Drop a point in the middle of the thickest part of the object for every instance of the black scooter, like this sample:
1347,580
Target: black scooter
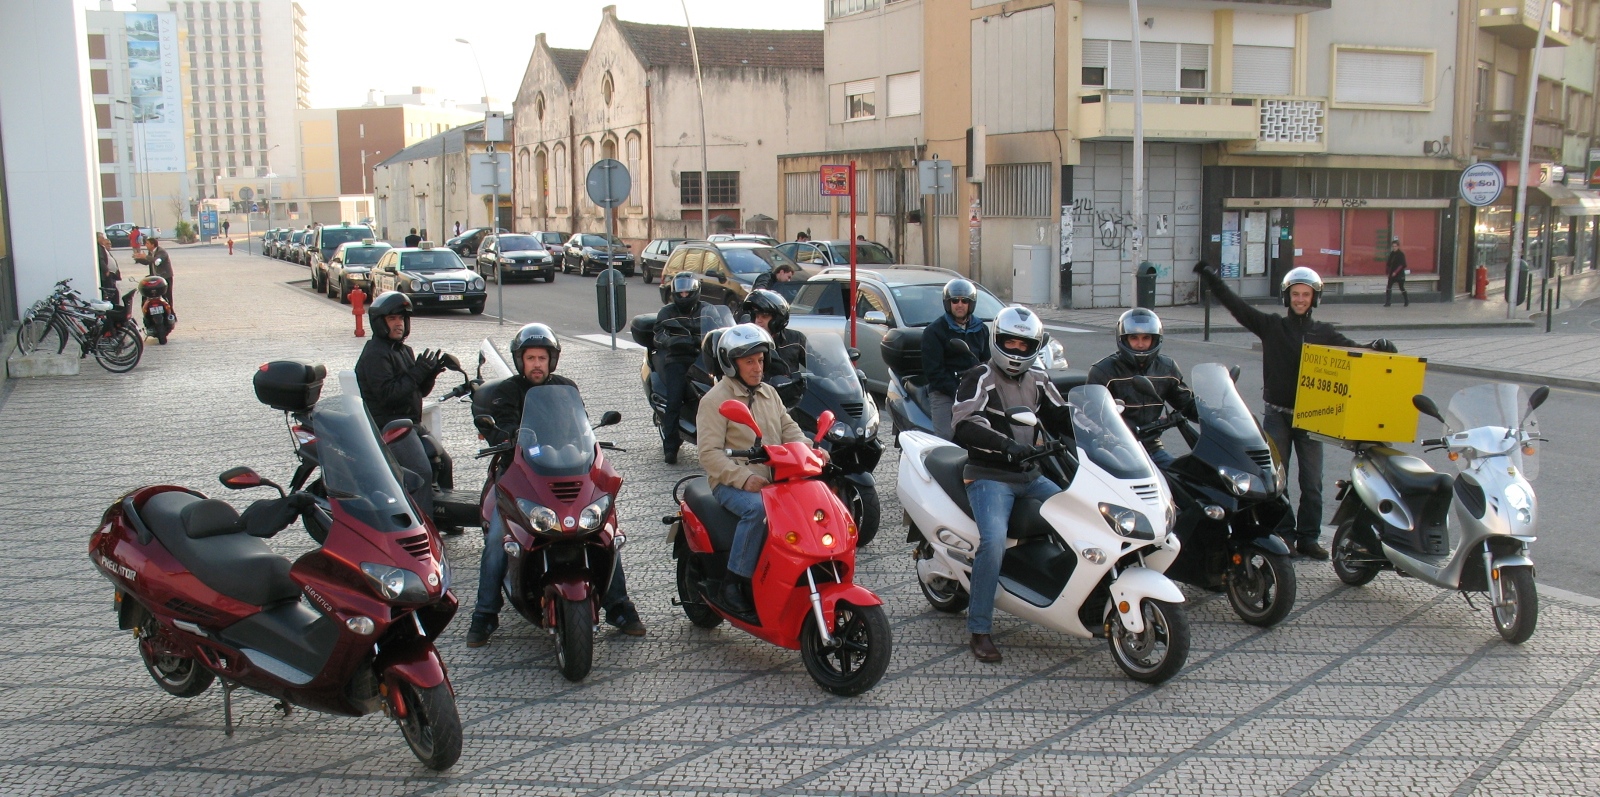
1229,491
702,373
833,384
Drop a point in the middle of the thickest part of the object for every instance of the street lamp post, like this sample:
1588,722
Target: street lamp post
705,166
1136,240
1519,221
142,178
494,164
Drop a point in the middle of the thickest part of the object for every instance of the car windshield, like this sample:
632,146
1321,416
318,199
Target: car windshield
363,255
333,236
359,473
519,243
430,260
555,438
867,253
552,238
297,237
1227,429
1103,437
754,260
599,240
920,305
1498,406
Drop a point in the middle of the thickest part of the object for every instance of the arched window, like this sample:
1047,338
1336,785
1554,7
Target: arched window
636,195
608,148
541,190
586,159
561,177
538,106
607,87
523,181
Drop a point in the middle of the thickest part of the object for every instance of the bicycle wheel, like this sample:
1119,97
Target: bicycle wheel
41,332
119,351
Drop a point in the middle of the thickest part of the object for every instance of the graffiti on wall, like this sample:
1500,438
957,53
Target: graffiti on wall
1110,227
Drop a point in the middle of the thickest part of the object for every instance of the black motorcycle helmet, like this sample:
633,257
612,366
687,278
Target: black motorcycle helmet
534,336
771,303
387,304
1139,321
685,282
961,289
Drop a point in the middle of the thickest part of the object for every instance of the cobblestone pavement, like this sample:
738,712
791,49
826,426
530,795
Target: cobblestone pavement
1395,688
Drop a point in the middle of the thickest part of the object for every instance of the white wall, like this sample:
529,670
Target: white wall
873,45
47,129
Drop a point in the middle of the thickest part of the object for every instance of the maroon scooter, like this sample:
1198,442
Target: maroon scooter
557,494
348,628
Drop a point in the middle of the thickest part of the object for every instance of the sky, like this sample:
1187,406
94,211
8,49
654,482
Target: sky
353,46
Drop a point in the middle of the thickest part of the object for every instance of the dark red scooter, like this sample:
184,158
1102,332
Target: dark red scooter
158,316
348,628
804,591
557,494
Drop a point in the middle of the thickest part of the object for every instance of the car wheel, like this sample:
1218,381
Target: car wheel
476,309
344,292
551,277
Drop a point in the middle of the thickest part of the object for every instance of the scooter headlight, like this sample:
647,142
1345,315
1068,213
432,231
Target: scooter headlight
1237,480
1521,503
594,514
541,518
1126,522
395,583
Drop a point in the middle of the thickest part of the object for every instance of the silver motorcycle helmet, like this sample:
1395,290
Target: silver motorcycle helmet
1016,324
1302,275
740,341
1138,321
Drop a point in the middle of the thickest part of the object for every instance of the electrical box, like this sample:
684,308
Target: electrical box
1358,394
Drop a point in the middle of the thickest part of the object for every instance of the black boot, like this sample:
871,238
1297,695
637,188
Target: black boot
734,589
483,626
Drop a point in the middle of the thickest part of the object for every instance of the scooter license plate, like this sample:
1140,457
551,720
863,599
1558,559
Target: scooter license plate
450,297
158,311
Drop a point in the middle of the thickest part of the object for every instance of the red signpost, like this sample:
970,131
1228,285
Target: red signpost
841,181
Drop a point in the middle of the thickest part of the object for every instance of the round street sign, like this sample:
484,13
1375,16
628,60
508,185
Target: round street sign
247,193
608,183
1481,184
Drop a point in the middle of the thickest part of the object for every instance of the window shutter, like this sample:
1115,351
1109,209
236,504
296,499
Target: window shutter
1095,52
905,94
1160,61
859,87
1381,78
1196,56
1263,70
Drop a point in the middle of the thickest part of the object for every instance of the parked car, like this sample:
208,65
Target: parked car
743,236
515,255
269,242
466,244
321,245
432,276
727,270
554,241
351,267
653,259
896,297
118,233
295,252
821,254
591,252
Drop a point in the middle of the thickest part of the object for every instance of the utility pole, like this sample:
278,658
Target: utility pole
1519,220
1135,241
705,174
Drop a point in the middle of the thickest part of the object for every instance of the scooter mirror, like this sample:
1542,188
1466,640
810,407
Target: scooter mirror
610,418
1539,395
958,347
240,478
396,429
735,410
1233,373
854,353
1145,386
824,425
1426,406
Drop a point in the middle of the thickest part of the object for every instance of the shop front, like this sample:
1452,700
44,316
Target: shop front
1560,236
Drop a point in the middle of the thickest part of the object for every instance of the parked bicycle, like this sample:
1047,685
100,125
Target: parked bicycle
98,327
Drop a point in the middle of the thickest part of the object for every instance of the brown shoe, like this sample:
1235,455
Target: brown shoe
983,648
1312,549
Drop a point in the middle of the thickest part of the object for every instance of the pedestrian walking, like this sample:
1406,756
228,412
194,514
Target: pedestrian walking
1397,273
225,226
413,239
458,229
133,241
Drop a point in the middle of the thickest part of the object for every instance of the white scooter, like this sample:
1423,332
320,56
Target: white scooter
1087,561
1469,533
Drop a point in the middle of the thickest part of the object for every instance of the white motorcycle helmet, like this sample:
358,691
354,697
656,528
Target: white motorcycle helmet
1302,275
1016,323
740,341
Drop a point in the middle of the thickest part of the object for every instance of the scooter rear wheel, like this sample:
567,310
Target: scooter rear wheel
860,656
574,638
1158,652
1262,587
1516,620
1347,555
432,726
694,606
944,594
180,676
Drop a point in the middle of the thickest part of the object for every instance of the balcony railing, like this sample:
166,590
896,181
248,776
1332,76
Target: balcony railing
1500,132
1249,122
1516,22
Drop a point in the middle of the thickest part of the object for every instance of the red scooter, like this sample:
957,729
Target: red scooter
803,587
158,316
348,628
557,494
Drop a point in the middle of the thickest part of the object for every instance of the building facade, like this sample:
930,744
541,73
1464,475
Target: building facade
633,96
427,186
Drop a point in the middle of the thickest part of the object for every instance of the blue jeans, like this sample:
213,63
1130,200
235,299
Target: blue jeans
492,574
991,508
1305,523
1162,457
751,533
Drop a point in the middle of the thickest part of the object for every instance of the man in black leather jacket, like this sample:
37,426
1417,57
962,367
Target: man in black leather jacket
675,347
1139,354
943,368
535,352
1281,338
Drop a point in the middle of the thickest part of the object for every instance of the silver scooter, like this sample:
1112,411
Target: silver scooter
1468,533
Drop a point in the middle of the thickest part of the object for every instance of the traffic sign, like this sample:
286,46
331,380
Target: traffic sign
1481,184
608,183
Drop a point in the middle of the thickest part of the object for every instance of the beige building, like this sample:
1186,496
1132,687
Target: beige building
427,186
632,96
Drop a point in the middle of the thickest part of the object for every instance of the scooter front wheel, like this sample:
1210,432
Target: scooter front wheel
1516,619
860,653
1160,650
862,501
432,726
574,638
1261,587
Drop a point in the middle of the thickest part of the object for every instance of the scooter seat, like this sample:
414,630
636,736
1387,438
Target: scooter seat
948,464
719,522
237,565
1409,475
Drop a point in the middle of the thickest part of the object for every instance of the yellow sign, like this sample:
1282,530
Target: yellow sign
1358,394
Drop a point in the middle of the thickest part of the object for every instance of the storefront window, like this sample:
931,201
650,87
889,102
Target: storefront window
1492,234
1586,244
1318,235
1535,243
1560,242
1366,242
1418,231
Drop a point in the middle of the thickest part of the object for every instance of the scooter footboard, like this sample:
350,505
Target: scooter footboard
1137,585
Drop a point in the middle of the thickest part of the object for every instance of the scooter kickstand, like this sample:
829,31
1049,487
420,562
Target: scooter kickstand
227,706
1468,598
283,705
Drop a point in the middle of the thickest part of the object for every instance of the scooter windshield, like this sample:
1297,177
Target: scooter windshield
712,318
1103,436
828,362
358,472
1497,408
1228,432
555,438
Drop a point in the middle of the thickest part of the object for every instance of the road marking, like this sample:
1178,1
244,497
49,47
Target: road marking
1066,329
605,340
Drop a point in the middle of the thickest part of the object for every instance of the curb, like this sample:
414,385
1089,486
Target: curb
1215,328
1571,383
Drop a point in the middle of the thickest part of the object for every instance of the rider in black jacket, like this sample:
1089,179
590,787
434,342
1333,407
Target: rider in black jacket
1281,338
942,367
675,347
535,351
1139,354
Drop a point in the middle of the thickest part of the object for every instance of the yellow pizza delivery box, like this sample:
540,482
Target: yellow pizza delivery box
1358,394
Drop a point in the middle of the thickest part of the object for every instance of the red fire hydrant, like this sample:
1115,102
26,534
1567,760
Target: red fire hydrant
230,246
358,298
1480,283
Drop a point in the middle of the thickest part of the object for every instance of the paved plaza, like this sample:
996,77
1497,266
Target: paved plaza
1394,688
